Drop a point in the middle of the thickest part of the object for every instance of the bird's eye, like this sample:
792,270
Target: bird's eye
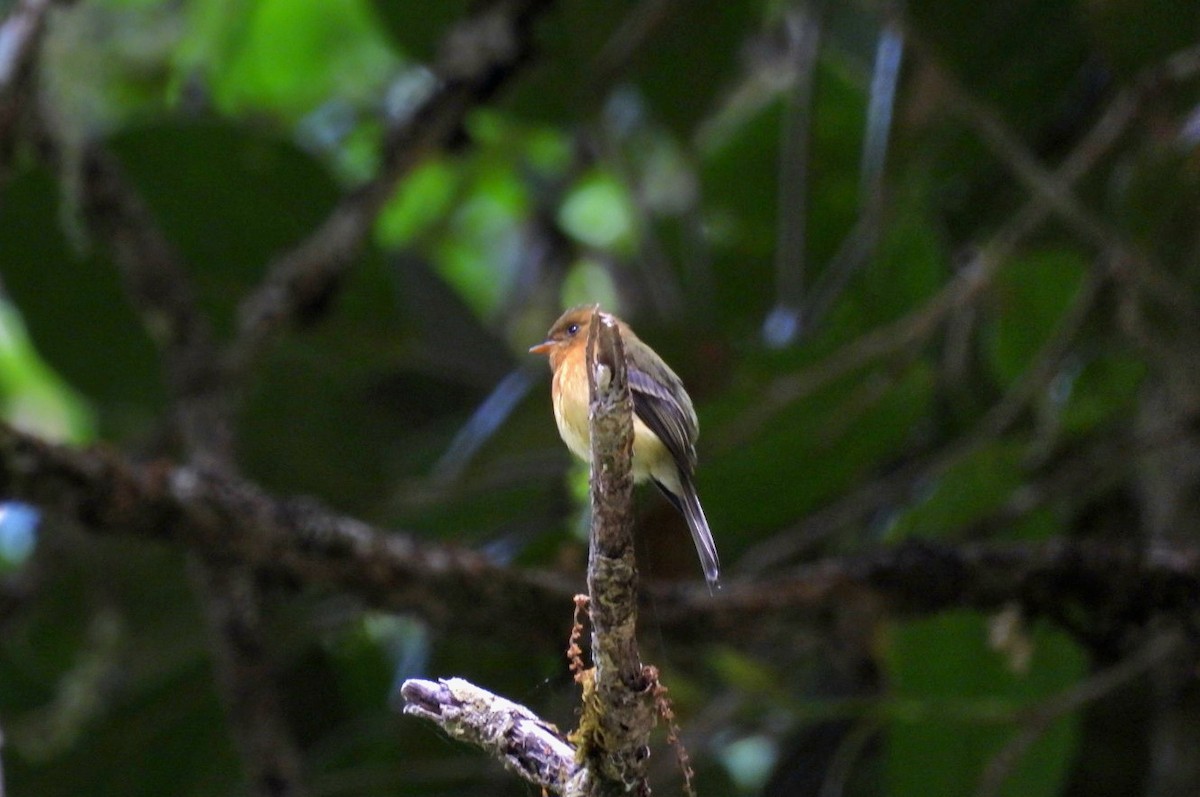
572,329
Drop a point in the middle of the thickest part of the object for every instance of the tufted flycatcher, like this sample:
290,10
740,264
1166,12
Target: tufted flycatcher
664,423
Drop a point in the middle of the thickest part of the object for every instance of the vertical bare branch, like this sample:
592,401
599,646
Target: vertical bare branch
245,674
624,709
158,285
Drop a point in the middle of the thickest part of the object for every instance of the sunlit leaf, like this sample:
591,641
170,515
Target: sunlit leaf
598,212
290,56
588,282
32,396
422,200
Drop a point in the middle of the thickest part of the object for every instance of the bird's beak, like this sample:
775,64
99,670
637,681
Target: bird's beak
542,348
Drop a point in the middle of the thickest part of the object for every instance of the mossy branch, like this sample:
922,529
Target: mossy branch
619,712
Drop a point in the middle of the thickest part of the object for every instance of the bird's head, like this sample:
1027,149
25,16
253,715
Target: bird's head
568,333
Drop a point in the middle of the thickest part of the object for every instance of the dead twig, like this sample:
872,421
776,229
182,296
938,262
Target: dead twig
508,731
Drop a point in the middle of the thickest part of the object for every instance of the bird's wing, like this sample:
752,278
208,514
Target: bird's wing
663,415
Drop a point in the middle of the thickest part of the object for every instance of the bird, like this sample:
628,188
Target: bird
665,426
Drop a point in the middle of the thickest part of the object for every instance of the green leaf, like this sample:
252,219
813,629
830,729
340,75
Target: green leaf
589,282
815,447
32,396
599,212
958,703
969,490
1031,292
422,200
909,265
1106,386
230,221
76,312
419,27
478,258
291,56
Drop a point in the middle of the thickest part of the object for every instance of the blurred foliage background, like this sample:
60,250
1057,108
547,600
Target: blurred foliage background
929,272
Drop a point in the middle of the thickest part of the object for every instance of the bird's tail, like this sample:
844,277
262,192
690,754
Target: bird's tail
693,513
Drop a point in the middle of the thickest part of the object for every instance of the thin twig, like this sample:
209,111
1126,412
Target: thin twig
874,345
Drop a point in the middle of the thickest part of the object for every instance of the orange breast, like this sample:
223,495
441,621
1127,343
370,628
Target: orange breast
650,456
571,406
